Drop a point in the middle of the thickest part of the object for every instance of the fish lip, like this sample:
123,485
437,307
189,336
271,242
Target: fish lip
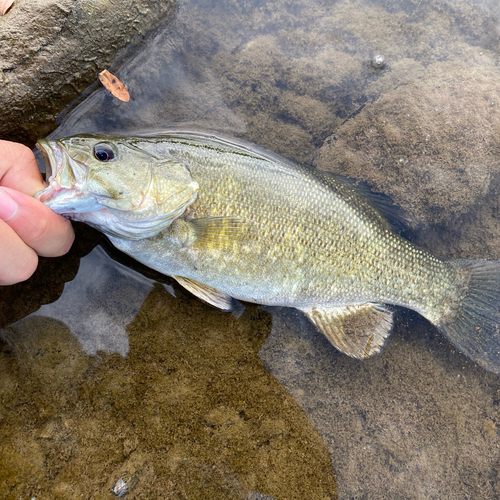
53,158
50,158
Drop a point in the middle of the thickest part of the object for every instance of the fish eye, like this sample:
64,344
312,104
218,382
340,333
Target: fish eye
104,152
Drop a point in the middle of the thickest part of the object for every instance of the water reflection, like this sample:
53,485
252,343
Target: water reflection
99,303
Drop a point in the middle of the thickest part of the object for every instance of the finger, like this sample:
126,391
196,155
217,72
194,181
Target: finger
43,230
17,260
18,168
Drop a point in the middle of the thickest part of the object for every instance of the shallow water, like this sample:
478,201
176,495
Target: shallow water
127,376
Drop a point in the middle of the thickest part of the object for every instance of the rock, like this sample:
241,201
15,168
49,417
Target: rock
51,50
431,144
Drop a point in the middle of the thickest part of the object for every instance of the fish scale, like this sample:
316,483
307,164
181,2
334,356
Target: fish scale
319,242
228,220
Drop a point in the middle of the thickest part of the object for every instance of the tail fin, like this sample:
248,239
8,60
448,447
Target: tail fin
475,328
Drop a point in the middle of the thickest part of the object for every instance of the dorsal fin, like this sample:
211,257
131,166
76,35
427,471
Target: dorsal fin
357,330
378,207
391,212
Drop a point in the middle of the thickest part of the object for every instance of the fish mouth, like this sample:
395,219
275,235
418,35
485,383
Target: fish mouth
54,163
65,176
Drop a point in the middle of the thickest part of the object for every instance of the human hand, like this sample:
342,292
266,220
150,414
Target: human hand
27,227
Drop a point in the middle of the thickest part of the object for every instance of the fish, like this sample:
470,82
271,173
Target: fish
231,221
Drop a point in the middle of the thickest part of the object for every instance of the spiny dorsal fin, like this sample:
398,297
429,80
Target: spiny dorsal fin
206,293
377,207
216,233
391,212
356,330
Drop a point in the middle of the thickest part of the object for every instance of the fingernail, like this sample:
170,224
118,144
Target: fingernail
8,207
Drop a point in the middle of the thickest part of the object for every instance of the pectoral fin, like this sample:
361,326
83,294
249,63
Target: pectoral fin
206,293
357,330
217,233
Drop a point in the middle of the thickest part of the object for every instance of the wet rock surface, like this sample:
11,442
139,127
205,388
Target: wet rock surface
419,421
51,50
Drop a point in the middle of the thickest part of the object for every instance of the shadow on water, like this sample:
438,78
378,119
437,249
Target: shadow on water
47,284
120,379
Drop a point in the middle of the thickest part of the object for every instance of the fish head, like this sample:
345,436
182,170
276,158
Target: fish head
115,184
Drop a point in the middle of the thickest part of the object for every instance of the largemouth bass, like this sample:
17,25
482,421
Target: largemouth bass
229,221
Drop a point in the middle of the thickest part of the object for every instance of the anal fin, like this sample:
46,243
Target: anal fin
356,330
206,293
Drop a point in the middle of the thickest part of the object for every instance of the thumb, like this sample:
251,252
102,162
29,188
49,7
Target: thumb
47,233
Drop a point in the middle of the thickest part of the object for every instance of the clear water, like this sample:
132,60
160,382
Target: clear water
128,377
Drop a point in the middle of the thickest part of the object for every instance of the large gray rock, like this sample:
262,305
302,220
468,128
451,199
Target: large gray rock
51,50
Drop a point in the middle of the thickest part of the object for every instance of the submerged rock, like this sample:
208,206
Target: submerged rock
191,409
